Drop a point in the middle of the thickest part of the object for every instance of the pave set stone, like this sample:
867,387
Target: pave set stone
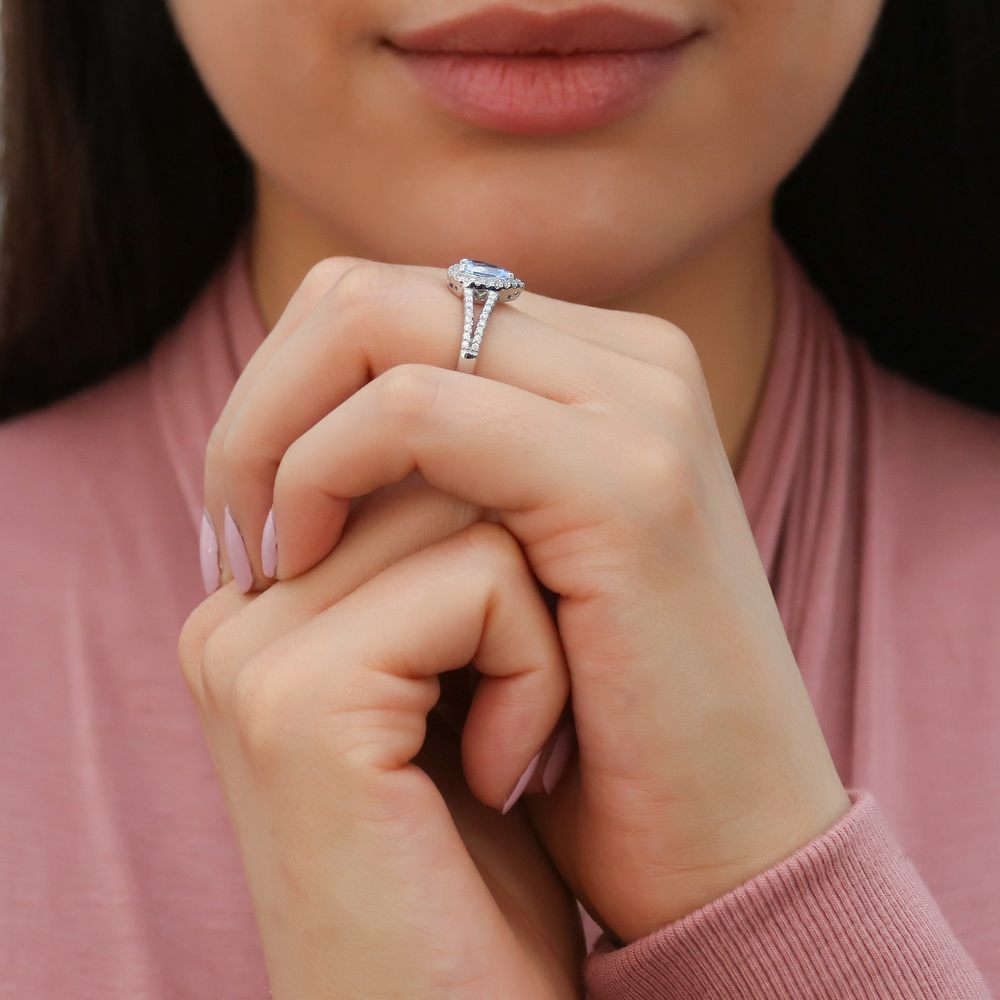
479,281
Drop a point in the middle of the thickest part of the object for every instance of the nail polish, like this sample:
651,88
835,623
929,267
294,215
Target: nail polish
269,547
236,551
522,783
211,568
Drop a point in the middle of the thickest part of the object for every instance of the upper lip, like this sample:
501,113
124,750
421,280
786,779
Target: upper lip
509,30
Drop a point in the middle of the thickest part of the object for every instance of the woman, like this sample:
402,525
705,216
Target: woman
754,749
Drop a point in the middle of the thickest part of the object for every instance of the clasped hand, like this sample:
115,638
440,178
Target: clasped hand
416,511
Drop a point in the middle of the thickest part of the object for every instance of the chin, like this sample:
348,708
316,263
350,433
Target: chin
556,252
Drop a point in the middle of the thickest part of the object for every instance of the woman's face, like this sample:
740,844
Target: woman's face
336,123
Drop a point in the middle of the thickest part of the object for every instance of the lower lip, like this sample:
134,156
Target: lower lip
542,94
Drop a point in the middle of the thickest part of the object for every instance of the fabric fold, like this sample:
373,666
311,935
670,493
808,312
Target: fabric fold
874,505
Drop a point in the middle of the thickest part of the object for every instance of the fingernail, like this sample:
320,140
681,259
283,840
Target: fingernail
522,783
269,547
236,551
211,570
559,755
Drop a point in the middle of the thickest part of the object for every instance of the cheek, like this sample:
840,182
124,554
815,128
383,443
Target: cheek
271,66
788,63
767,81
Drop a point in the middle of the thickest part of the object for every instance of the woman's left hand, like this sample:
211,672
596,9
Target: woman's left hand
589,434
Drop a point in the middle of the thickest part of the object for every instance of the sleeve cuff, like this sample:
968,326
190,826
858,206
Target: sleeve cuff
847,916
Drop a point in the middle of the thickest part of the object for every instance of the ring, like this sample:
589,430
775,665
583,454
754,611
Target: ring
477,281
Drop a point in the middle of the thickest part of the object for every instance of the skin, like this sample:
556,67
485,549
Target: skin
640,348
669,209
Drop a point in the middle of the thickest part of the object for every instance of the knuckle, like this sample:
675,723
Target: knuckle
686,359
661,473
360,285
258,706
194,636
669,346
406,392
489,544
360,305
242,455
325,274
216,665
653,326
294,463
299,483
673,396
205,644
294,481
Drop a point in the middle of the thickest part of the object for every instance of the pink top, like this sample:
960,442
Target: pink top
875,505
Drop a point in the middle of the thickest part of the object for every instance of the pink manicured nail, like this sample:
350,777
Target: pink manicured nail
269,547
562,750
522,783
236,551
211,569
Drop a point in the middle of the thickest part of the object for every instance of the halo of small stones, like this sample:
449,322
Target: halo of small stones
458,273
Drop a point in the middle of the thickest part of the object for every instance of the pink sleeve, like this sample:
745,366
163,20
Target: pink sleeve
845,916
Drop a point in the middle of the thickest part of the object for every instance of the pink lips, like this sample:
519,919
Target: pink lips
532,74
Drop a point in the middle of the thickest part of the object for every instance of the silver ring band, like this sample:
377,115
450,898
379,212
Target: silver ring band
478,281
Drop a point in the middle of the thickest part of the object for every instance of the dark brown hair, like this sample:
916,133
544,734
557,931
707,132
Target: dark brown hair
123,189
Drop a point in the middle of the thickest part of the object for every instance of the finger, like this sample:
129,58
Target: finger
484,442
316,283
375,437
375,317
366,669
378,316
388,525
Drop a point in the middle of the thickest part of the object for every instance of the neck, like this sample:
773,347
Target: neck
722,295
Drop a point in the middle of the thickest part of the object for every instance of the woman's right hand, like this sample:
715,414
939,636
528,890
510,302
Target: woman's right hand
373,869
